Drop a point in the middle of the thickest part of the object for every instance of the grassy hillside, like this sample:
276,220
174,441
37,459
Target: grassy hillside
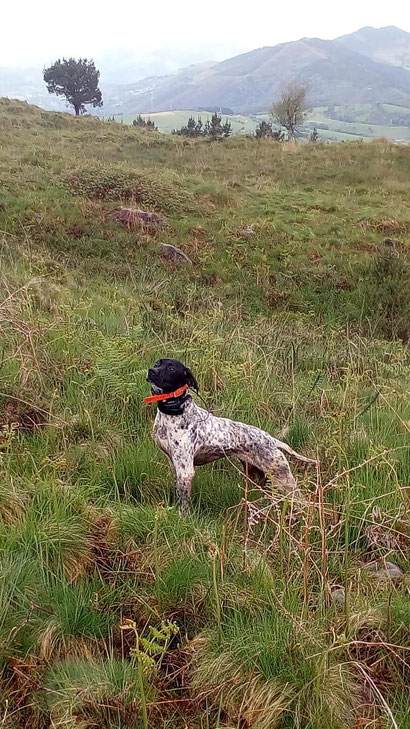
253,611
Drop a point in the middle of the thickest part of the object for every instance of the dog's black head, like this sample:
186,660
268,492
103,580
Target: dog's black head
169,375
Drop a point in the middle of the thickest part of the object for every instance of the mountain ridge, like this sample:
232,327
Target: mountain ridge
368,66
250,82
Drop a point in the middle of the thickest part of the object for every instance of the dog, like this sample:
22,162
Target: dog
191,436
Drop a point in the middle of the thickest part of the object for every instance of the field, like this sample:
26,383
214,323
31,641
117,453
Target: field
361,124
255,610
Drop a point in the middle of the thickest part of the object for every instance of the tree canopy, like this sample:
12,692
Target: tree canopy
290,110
264,130
76,80
213,128
145,123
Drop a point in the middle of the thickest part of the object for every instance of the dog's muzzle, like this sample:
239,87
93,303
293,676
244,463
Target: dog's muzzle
152,373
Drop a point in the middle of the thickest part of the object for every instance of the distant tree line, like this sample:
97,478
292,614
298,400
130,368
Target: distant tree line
213,128
218,109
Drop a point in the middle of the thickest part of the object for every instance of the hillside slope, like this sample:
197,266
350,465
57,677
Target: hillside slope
251,81
253,610
386,45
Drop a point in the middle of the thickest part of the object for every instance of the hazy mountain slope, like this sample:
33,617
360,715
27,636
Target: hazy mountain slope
387,45
27,84
248,83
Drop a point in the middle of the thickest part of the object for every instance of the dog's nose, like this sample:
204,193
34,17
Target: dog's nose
152,372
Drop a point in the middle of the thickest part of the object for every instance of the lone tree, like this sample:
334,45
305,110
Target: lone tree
76,80
290,111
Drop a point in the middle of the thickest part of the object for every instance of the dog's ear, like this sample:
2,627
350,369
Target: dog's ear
191,381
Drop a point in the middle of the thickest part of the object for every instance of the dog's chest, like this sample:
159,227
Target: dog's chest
160,434
170,433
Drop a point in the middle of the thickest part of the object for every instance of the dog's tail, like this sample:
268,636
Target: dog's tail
285,447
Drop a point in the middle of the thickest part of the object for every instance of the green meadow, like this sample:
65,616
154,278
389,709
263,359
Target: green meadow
255,610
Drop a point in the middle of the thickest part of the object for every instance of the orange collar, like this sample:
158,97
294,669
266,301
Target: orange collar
165,395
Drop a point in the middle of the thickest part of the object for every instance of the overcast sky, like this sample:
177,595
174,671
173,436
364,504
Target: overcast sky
35,33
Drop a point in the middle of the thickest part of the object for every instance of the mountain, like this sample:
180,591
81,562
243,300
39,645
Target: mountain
248,83
386,45
369,67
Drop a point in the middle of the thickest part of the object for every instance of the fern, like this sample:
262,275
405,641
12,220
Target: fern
116,369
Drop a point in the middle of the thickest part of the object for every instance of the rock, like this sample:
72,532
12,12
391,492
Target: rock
338,596
136,218
384,570
171,253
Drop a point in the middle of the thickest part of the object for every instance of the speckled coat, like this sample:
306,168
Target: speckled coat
196,437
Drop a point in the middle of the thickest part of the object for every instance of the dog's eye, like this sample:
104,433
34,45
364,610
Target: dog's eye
172,369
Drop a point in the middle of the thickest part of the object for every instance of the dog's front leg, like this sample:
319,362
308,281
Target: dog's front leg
183,464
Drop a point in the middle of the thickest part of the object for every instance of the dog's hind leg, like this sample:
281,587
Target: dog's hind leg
276,467
256,475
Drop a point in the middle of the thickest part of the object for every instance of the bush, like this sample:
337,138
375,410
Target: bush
265,130
146,123
115,182
88,693
385,291
214,128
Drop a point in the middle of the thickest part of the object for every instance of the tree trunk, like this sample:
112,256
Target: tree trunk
77,109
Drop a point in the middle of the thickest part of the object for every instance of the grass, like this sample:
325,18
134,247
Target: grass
300,327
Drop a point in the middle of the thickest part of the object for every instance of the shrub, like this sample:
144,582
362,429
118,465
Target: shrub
146,123
265,130
115,182
91,693
385,291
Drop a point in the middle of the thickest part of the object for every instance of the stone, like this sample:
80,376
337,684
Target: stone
171,253
136,218
384,570
338,596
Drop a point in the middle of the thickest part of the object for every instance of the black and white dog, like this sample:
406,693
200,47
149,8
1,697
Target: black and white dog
191,436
